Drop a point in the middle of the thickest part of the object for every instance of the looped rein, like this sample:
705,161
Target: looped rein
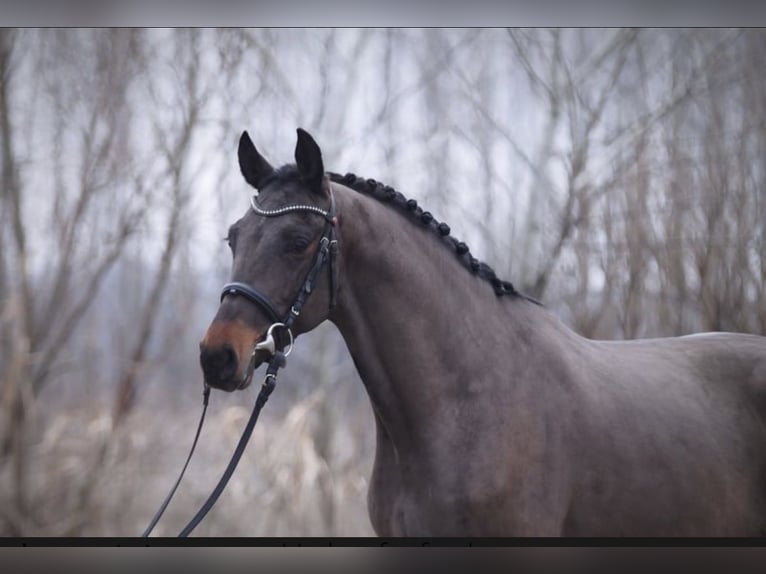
327,252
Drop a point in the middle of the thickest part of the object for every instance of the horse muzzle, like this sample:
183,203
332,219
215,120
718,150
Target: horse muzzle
225,346
226,354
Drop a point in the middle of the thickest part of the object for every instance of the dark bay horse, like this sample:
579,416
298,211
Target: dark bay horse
493,418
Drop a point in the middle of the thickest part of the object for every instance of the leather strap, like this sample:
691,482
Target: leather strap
277,361
161,511
252,294
328,249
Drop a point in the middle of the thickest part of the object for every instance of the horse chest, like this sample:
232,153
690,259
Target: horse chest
407,498
401,509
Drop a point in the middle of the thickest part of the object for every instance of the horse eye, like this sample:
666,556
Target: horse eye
297,244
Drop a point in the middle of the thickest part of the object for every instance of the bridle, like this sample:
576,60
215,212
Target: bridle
276,347
326,253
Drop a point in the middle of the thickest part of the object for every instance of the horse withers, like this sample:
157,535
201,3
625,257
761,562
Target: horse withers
492,417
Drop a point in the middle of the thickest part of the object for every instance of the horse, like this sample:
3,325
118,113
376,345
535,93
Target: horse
492,417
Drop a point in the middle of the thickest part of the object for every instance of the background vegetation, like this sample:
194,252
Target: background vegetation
619,175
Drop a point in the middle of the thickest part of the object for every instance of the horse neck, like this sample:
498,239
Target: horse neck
413,318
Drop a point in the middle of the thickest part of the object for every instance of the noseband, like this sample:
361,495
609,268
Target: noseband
327,252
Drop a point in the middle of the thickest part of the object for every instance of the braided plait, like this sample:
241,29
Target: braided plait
410,208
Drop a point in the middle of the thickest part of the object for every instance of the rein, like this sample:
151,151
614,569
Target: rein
326,253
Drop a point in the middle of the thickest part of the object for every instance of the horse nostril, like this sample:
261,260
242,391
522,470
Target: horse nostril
218,364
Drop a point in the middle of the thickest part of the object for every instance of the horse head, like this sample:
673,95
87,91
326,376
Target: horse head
279,247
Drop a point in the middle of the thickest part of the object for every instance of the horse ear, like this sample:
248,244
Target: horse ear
252,164
308,158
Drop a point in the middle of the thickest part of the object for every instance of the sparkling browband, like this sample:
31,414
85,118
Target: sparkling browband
288,209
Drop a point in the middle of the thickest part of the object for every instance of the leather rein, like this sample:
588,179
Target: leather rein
277,347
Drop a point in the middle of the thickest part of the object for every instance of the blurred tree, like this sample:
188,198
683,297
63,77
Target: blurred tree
76,233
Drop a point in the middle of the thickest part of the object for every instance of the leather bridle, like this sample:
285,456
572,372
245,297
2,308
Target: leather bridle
326,253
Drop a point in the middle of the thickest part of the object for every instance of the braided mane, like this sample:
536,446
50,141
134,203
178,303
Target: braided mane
412,210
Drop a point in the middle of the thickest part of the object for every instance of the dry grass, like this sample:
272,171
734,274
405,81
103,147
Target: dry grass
87,480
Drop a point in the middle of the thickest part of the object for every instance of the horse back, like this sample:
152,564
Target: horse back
675,437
